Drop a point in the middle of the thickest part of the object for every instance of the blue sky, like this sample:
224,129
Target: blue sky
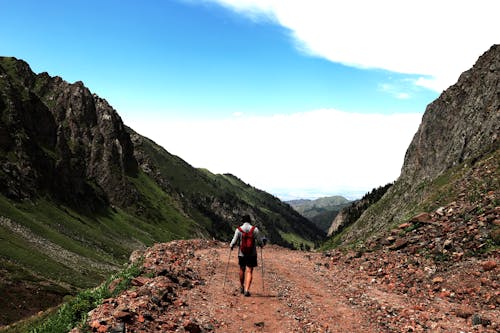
250,86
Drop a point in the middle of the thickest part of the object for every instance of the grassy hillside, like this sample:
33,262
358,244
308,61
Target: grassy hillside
49,250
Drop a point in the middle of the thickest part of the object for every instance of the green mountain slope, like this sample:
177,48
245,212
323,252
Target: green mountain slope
79,191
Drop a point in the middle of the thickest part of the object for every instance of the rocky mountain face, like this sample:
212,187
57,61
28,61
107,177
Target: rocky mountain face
58,138
458,130
463,124
79,191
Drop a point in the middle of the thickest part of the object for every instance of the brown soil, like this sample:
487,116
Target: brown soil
22,299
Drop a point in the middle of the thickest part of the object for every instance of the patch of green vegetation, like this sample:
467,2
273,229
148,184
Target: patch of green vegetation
441,257
162,209
412,227
296,240
64,227
106,238
332,242
74,312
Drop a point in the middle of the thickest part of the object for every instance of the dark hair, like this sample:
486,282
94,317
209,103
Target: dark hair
246,218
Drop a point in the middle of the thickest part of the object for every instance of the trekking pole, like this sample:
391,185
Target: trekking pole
227,266
262,261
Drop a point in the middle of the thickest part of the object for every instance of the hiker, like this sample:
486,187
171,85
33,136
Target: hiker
246,236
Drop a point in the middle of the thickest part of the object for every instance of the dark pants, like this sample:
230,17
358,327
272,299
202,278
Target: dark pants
247,261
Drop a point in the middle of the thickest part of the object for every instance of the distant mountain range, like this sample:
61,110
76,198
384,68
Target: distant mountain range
321,211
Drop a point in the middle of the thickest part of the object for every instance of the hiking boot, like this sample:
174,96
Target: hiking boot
247,293
242,290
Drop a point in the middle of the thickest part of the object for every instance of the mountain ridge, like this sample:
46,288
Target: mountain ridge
75,178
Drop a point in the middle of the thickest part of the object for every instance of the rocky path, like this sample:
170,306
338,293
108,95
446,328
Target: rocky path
294,297
182,290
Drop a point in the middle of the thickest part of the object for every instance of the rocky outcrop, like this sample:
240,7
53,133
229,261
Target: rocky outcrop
338,222
60,139
462,124
458,129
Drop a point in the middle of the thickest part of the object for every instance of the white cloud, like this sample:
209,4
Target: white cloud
322,151
402,95
395,90
436,39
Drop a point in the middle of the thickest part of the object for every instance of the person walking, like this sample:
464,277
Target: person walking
247,236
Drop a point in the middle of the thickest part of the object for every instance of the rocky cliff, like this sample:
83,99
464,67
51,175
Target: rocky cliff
60,139
463,124
458,129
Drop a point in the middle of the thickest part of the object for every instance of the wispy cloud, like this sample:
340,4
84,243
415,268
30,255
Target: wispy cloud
394,90
436,39
322,151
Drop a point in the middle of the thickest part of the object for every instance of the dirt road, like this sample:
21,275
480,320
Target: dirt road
296,296
308,292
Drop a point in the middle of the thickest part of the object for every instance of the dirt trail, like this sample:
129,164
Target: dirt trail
298,296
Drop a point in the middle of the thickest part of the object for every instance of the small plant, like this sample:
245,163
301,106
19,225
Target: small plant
441,257
412,227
